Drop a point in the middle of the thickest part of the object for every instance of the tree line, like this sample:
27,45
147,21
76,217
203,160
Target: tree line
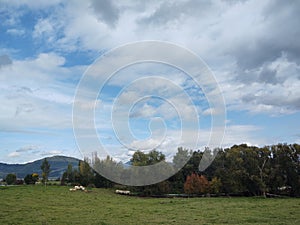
238,170
11,178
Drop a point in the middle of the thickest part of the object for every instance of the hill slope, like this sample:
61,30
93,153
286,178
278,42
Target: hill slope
58,164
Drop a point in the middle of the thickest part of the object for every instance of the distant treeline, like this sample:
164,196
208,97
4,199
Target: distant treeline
239,170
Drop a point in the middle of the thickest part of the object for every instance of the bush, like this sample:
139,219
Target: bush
11,178
31,178
215,185
196,184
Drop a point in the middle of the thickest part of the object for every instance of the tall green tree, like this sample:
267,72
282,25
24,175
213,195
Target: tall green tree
285,171
86,174
142,159
180,160
181,157
106,167
69,175
45,167
231,169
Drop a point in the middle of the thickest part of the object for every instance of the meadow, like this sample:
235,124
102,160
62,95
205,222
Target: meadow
57,205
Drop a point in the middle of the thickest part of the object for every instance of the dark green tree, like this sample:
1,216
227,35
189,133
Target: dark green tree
104,168
86,174
140,158
31,178
285,171
11,178
231,169
179,160
69,175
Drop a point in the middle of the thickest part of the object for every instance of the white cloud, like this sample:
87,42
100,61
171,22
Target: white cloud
13,154
27,148
51,153
210,111
218,44
43,28
34,94
239,134
148,144
274,98
17,32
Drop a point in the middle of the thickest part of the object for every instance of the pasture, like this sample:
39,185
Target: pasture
57,205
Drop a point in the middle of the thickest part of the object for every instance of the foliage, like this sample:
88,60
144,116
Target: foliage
215,185
58,165
31,178
45,167
144,159
239,170
181,157
69,175
254,171
11,178
83,176
106,166
196,184
86,174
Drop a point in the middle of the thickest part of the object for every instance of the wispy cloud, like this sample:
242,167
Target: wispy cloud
17,32
51,153
13,154
27,148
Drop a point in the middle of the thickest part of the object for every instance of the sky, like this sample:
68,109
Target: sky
46,47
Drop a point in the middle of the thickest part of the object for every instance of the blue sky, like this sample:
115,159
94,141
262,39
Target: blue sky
252,48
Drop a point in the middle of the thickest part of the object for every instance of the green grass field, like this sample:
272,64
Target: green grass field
57,205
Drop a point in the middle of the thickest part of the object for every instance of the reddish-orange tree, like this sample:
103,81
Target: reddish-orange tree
196,184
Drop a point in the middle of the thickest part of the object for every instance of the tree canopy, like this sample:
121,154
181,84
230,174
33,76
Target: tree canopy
238,170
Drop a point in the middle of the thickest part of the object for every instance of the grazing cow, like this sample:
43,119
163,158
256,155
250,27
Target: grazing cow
78,188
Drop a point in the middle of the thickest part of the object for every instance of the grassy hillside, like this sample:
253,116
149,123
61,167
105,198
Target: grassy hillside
57,205
58,164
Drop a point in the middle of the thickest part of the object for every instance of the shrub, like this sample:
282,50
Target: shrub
196,184
31,178
11,178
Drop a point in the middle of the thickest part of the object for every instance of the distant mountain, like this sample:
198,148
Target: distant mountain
127,164
58,165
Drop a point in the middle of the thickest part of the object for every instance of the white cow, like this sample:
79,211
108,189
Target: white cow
77,188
